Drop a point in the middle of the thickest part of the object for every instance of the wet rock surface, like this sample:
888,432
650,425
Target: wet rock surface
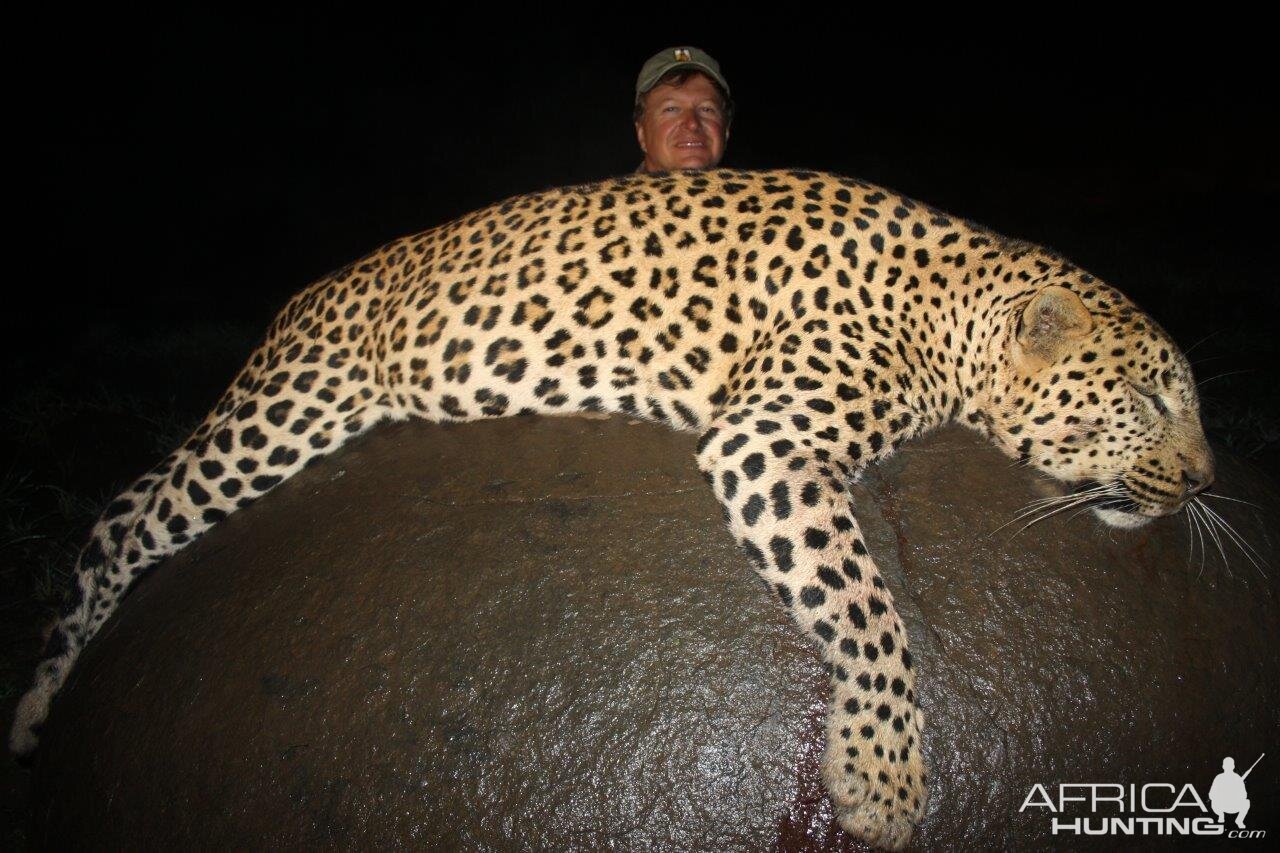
536,633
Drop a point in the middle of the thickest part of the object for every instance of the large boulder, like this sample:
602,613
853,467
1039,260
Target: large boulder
537,634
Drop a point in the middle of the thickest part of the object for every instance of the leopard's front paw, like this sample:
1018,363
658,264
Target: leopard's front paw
875,775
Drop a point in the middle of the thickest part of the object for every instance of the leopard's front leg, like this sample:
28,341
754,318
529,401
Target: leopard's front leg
780,470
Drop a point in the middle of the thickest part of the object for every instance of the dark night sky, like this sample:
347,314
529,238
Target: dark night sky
197,164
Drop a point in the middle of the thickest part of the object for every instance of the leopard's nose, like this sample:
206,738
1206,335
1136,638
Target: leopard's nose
1195,481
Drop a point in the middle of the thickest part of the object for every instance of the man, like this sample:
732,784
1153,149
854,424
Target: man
682,111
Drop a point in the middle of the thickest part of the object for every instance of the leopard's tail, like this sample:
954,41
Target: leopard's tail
256,438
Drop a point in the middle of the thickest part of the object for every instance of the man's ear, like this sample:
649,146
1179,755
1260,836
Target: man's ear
1051,322
640,137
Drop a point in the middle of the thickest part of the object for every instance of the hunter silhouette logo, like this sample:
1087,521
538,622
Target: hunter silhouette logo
1228,794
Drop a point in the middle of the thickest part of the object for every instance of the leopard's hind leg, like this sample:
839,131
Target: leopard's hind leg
278,415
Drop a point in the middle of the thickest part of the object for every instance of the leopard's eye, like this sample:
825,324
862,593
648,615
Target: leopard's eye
1155,398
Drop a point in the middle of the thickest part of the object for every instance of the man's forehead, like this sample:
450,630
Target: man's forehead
696,85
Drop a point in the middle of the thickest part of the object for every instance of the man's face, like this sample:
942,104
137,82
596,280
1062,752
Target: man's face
682,127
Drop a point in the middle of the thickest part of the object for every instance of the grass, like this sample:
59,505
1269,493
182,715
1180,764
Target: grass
71,439
37,526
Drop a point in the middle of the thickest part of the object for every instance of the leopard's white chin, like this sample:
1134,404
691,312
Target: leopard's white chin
1120,518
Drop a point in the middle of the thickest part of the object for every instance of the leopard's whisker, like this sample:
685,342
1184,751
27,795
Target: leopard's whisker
1069,500
1245,548
1208,531
1199,535
1100,489
1225,498
1041,503
1079,511
1223,376
1217,540
1188,350
1081,499
1186,516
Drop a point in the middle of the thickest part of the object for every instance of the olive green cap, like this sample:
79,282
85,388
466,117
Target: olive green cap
674,58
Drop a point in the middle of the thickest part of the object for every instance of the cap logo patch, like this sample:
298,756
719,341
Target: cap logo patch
682,55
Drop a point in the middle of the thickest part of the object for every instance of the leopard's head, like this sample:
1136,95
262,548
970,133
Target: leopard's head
1092,391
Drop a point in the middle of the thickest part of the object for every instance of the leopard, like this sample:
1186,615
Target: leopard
804,324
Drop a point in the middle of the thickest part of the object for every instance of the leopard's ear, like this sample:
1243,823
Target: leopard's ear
1050,324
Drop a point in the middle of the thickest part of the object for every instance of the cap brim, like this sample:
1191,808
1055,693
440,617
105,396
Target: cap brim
646,85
